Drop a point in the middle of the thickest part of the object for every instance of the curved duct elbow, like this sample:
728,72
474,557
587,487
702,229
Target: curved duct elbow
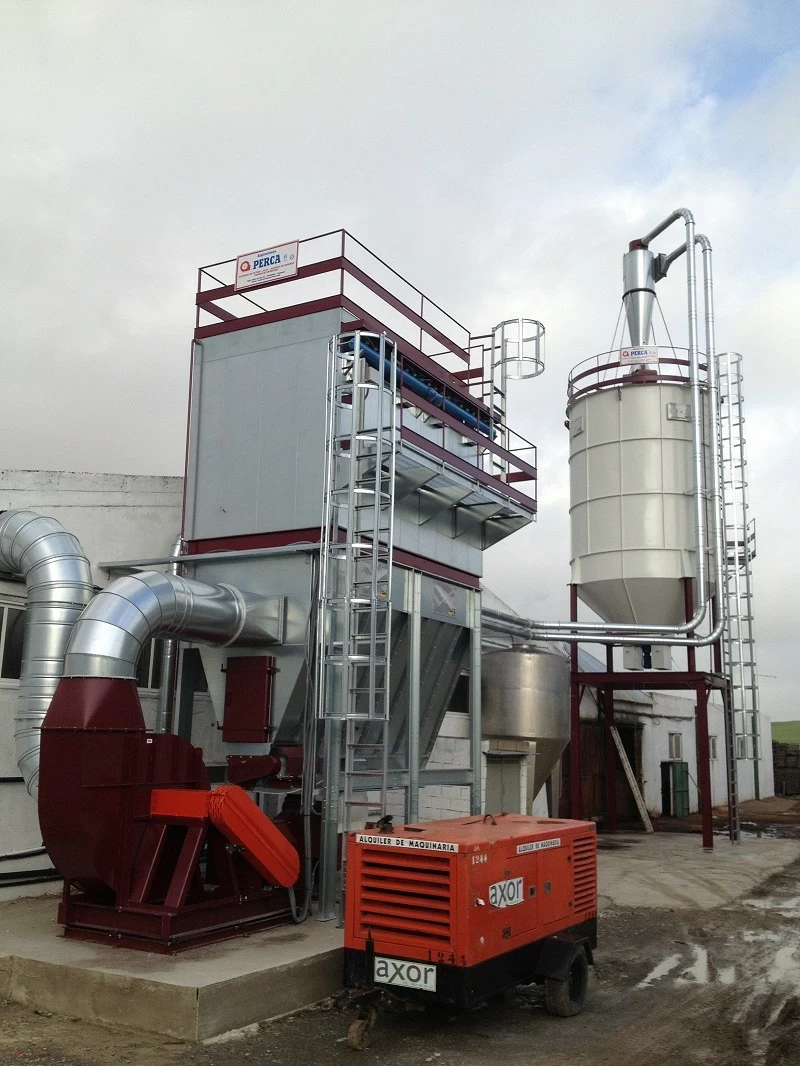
59,584
112,632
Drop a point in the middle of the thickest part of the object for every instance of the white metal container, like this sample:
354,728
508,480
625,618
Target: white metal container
631,507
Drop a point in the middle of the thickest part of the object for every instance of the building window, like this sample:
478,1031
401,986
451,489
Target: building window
712,748
676,746
148,672
12,628
741,747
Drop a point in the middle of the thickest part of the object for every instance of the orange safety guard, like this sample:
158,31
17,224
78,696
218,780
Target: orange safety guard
240,821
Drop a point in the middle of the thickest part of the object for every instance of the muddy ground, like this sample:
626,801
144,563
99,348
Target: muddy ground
776,816
721,988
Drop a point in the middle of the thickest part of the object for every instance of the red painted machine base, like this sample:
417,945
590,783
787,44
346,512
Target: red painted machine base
149,928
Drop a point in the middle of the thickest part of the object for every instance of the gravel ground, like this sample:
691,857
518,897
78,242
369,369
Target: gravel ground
720,988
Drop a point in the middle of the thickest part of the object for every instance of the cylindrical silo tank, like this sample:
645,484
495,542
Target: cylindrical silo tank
525,696
632,510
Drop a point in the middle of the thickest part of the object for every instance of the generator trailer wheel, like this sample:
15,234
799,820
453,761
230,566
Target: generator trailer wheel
568,998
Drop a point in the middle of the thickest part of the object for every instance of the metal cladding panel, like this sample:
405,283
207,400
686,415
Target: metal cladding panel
631,508
257,433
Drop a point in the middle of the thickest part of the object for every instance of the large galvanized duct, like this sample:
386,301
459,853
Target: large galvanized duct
59,583
110,635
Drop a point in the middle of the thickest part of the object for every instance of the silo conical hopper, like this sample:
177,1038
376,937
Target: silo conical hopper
525,696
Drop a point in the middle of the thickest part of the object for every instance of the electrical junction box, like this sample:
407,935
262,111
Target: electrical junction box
647,657
247,715
460,909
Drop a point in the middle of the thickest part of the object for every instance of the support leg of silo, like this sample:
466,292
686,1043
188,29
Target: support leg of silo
575,715
704,767
606,698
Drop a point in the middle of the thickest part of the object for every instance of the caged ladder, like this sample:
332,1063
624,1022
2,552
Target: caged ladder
739,649
354,607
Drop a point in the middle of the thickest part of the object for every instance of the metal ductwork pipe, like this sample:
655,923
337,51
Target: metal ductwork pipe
169,663
110,635
59,584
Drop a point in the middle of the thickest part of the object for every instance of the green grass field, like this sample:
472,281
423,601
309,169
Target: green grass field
786,732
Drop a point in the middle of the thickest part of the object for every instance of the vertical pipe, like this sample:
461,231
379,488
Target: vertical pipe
166,693
476,763
606,700
414,680
332,758
575,715
698,437
704,767
717,647
688,603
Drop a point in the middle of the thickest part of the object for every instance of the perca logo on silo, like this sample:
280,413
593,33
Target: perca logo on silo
265,265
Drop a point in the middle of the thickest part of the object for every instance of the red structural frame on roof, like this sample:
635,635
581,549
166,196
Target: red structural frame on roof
452,340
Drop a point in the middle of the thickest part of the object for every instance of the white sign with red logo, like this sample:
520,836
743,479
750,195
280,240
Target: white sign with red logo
268,264
645,353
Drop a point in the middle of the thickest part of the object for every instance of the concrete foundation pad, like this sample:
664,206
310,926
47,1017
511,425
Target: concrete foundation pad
672,871
194,996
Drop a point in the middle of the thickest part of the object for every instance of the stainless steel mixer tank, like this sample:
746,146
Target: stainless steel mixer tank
525,694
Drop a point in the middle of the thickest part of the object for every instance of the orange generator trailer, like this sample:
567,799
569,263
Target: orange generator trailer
458,910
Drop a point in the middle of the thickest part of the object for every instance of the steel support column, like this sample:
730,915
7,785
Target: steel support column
475,651
575,715
414,682
704,767
605,698
332,764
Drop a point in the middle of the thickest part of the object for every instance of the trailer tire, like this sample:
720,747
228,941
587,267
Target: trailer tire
567,998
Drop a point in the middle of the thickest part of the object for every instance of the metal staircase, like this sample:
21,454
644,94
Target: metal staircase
739,650
354,611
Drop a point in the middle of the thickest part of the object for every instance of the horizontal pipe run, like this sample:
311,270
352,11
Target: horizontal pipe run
530,629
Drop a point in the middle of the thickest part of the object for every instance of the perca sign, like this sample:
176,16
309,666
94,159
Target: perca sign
268,264
645,353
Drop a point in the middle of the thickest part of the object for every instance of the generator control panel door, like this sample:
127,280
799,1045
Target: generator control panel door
555,885
248,699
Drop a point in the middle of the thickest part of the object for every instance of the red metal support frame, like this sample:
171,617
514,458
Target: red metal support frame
605,701
607,696
704,767
575,715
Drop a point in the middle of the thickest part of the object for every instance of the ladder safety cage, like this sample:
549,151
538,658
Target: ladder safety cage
739,649
354,608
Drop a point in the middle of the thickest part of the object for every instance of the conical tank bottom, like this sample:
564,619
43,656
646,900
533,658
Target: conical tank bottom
525,696
639,313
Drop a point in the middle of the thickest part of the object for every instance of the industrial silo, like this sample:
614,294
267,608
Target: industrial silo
632,482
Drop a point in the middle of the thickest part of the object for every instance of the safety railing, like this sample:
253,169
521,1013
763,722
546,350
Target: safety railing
335,270
610,370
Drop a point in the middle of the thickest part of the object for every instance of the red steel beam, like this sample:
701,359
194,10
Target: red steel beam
704,767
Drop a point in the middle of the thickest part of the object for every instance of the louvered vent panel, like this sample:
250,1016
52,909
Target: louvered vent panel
585,873
405,896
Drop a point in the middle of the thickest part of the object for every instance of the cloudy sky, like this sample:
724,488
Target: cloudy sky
500,153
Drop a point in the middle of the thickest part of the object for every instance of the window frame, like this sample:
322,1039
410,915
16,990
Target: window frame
8,601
